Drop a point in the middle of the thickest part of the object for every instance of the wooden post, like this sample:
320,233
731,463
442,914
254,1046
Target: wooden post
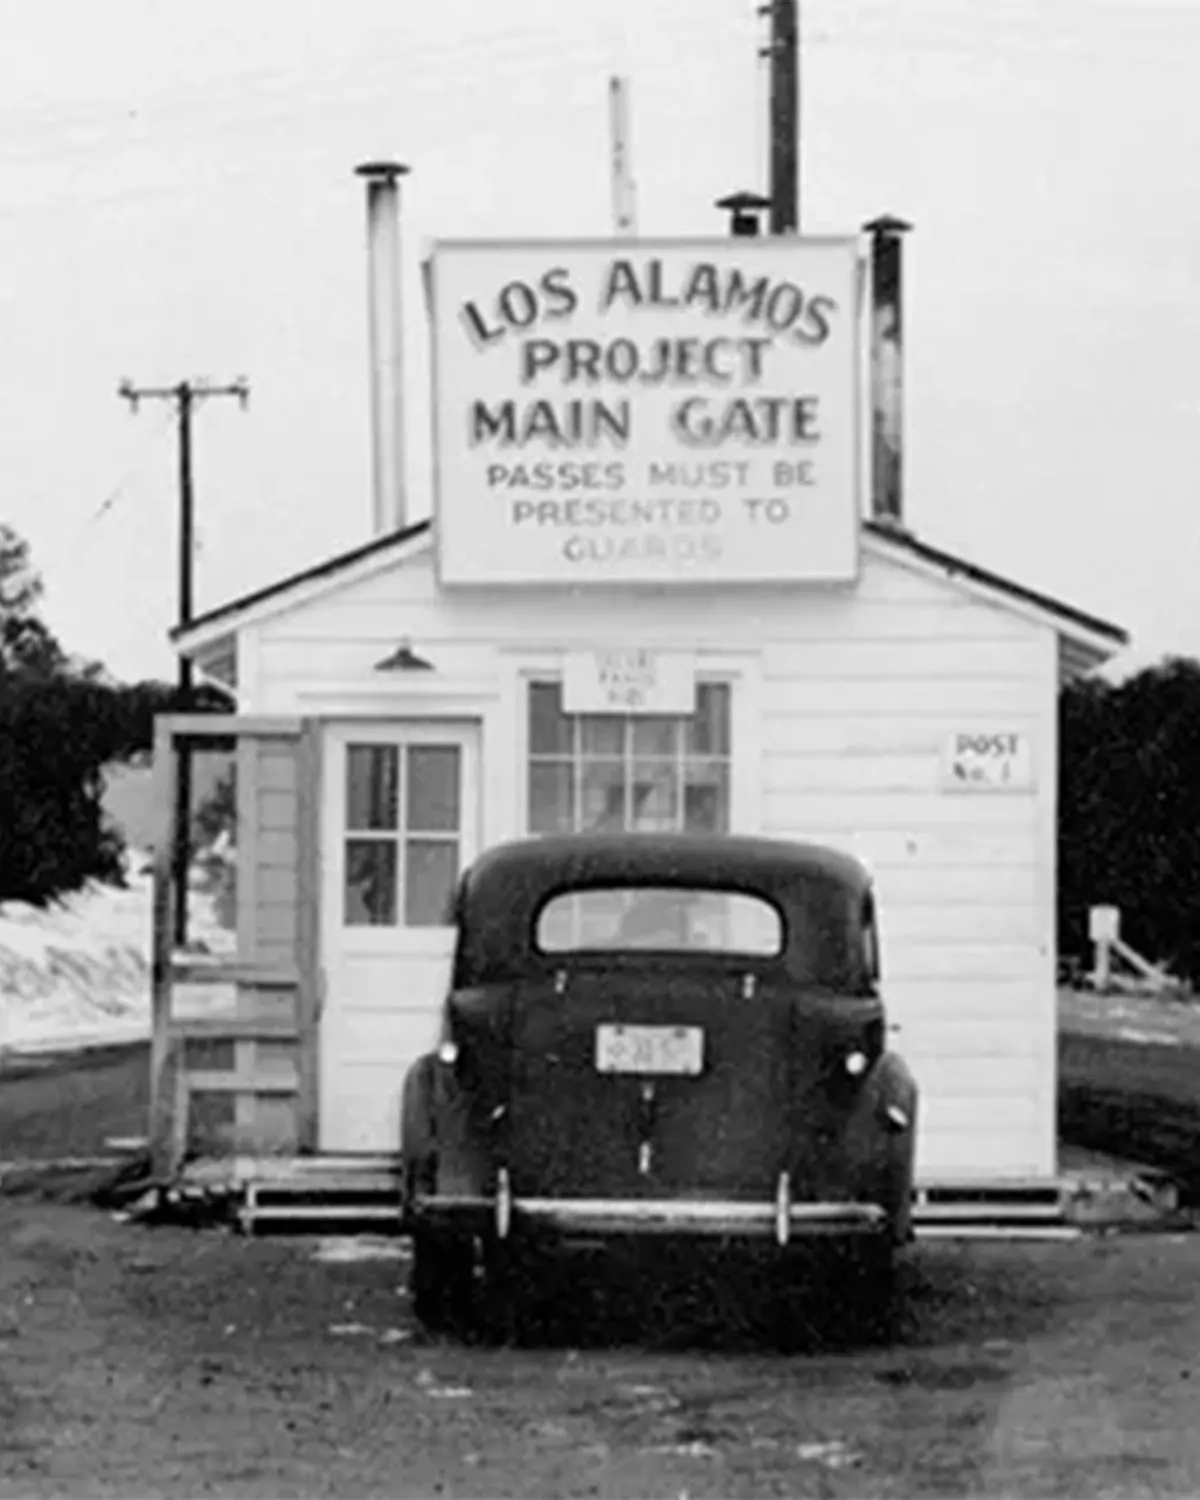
309,992
162,1095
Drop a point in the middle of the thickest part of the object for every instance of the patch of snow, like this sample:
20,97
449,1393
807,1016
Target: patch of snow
78,974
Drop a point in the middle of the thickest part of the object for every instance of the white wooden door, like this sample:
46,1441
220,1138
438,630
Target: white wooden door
400,823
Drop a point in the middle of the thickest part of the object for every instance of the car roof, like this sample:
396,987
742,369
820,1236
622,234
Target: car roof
722,860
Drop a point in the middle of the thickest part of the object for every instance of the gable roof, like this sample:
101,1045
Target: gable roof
1098,637
230,614
971,572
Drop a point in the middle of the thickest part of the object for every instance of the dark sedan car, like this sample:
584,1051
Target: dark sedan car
657,1038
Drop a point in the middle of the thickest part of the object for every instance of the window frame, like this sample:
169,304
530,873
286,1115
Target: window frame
401,835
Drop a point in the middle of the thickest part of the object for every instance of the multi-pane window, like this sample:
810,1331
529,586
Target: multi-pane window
615,772
403,833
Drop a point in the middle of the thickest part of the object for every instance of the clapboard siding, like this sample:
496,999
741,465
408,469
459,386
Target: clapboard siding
942,888
800,814
930,848
909,697
791,730
959,922
864,667
934,1040
949,1002
884,658
971,963
987,1076
267,930
798,621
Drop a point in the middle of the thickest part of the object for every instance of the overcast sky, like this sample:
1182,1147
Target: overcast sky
177,199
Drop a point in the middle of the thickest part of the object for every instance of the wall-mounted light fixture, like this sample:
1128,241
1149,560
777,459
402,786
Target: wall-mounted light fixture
404,659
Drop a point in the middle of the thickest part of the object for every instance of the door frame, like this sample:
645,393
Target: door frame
399,728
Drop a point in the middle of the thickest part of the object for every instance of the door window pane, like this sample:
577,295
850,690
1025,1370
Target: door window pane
370,883
551,797
432,804
430,873
549,727
372,786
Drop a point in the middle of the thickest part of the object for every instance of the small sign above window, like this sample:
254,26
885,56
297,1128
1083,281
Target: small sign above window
622,680
999,761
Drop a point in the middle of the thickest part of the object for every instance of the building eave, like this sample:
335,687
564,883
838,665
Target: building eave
211,628
1091,638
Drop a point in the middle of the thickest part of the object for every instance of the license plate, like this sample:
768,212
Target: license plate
649,1049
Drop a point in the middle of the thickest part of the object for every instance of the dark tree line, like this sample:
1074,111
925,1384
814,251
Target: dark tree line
1129,811
62,721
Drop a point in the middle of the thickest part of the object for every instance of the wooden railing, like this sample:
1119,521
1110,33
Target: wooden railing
242,1082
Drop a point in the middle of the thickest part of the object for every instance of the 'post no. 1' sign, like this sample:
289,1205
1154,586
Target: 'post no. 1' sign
666,412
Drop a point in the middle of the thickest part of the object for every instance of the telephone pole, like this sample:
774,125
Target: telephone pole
783,52
186,396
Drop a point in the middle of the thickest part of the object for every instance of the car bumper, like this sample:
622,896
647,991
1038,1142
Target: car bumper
604,1218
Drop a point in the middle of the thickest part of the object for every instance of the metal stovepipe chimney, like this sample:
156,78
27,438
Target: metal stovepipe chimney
386,339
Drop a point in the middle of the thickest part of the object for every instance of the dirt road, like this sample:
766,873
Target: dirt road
138,1361
66,1103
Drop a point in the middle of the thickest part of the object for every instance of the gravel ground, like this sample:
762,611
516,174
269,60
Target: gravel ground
137,1361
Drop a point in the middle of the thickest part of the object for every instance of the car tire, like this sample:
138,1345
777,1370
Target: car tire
442,1282
517,1293
869,1292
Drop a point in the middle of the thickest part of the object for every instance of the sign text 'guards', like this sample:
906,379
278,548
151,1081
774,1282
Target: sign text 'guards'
659,412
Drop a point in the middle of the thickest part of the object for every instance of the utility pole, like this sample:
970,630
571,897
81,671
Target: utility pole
186,396
783,52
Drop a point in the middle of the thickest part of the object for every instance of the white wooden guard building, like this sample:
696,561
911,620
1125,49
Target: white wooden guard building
599,629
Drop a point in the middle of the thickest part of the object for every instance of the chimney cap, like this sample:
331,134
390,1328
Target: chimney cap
887,224
388,171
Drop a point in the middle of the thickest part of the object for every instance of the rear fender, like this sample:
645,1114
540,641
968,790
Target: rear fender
880,1139
441,1148
418,1125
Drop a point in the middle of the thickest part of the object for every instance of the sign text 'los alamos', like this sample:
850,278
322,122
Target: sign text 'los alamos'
646,412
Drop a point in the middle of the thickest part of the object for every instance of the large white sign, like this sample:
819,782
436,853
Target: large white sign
665,412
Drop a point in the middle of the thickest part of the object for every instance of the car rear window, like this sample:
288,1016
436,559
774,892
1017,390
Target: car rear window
662,919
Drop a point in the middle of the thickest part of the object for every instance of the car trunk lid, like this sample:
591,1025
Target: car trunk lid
661,1079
